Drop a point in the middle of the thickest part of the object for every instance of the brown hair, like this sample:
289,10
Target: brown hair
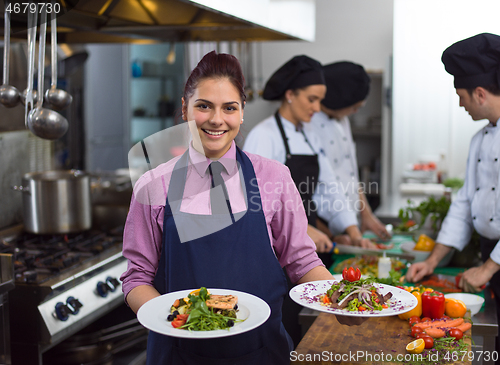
214,65
493,88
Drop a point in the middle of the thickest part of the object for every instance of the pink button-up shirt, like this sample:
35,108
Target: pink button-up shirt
283,210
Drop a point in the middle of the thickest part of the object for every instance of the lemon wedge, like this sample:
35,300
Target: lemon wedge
416,347
196,291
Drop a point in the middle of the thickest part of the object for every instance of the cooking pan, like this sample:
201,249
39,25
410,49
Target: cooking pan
56,201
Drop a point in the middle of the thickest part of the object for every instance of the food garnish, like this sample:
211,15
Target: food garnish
355,295
202,311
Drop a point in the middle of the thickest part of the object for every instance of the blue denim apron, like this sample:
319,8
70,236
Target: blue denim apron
238,257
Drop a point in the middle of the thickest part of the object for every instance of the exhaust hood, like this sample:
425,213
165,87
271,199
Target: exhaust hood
152,21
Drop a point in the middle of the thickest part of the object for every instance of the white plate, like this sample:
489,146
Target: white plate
307,296
153,314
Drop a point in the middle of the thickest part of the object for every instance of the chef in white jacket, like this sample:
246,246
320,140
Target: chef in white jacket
348,86
475,64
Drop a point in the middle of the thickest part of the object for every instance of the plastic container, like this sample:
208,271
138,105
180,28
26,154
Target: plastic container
384,266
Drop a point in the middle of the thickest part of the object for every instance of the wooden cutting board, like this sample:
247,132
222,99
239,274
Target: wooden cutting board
376,340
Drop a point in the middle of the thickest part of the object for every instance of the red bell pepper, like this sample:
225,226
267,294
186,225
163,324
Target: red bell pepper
433,304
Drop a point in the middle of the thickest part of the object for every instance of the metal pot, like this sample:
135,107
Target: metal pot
56,201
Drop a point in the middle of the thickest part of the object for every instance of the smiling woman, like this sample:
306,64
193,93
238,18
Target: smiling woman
177,234
216,108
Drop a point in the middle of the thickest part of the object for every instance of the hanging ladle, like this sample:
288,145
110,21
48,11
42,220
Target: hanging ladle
45,123
9,95
59,99
29,96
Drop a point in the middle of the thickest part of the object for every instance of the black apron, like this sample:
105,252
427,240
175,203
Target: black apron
305,172
487,247
238,257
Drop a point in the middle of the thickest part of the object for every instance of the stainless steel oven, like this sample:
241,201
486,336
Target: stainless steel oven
63,283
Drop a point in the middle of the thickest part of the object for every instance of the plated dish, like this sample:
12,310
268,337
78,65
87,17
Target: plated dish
308,295
252,311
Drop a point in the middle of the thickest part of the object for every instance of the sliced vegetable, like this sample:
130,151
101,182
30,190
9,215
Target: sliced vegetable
416,347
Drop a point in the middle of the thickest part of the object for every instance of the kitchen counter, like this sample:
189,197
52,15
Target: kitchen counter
322,332
377,340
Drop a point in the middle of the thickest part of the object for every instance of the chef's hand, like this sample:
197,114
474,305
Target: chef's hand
365,243
351,321
474,279
321,240
370,222
417,271
358,240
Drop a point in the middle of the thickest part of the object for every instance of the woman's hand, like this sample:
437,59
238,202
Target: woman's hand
321,240
140,295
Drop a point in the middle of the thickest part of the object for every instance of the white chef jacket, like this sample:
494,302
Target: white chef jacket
265,140
340,150
477,204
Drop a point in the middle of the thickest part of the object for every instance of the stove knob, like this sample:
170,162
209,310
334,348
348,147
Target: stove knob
102,289
62,311
112,283
73,305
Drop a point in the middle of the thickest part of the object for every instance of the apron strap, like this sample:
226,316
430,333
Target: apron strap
283,135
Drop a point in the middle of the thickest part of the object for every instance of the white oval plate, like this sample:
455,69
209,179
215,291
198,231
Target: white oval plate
153,314
307,295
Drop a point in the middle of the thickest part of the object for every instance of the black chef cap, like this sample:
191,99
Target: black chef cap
299,72
346,84
474,61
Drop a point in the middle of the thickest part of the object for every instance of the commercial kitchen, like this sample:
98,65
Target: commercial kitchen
123,64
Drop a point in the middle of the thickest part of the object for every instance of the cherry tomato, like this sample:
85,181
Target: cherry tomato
455,332
177,323
423,334
425,319
180,320
445,317
182,317
429,341
351,274
410,223
413,320
416,330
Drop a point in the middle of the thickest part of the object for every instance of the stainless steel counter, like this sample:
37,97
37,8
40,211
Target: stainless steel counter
485,328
